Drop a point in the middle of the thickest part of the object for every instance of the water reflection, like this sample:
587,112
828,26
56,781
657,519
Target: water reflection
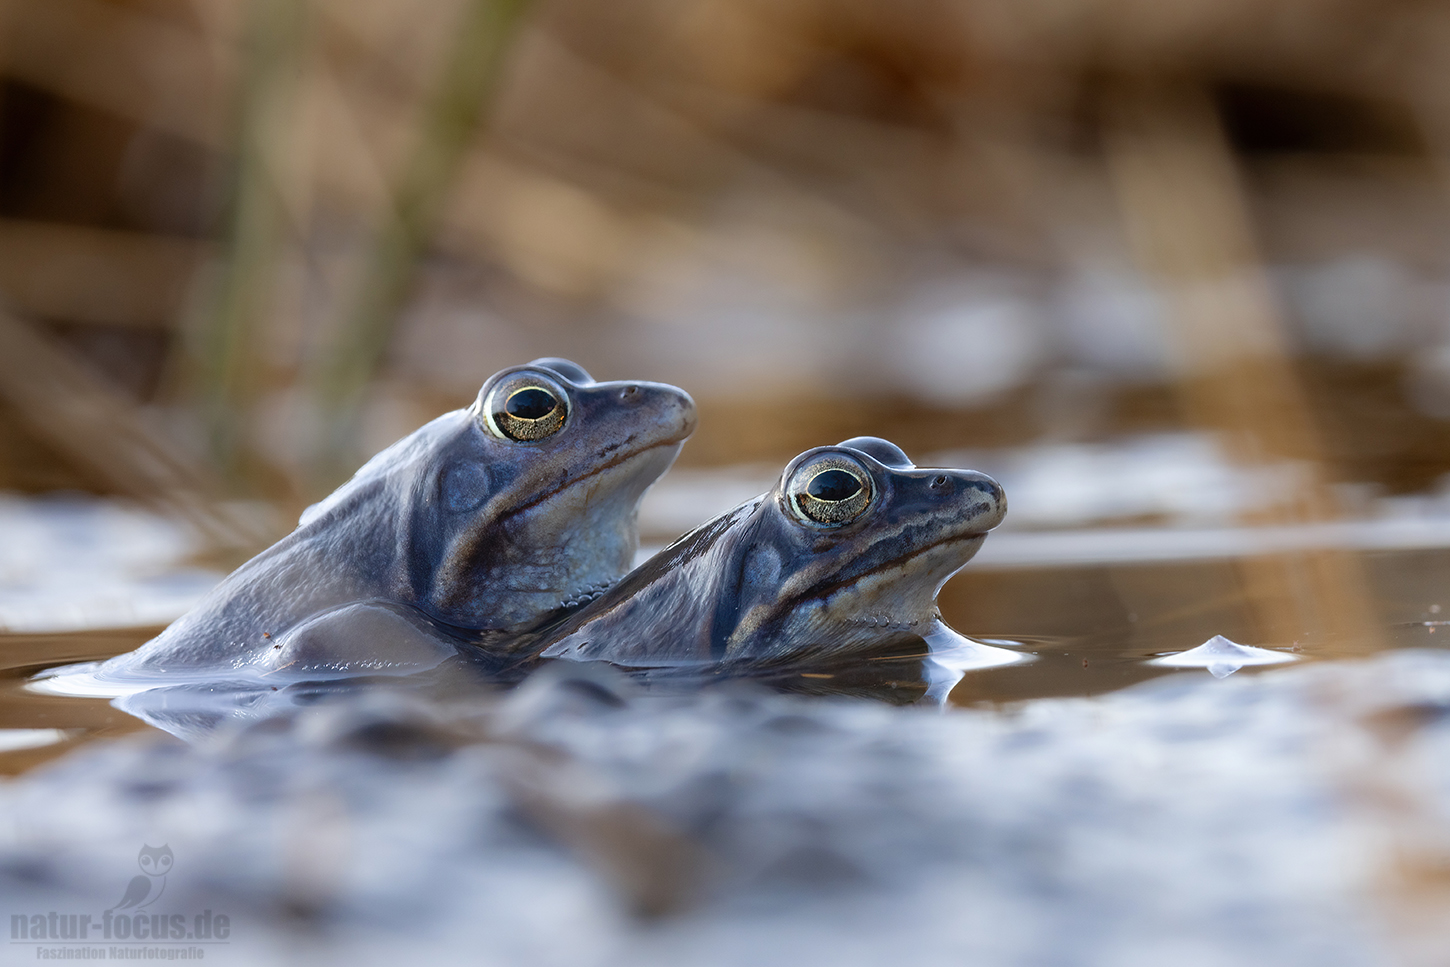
15,739
195,712
909,669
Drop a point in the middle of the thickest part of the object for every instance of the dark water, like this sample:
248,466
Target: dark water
1094,628
79,720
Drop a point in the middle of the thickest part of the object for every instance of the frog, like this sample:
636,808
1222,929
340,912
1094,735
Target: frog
841,560
477,525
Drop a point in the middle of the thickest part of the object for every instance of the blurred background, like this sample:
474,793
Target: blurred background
1179,273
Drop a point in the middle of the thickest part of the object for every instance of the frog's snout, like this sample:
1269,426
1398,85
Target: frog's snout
689,419
644,414
983,498
676,407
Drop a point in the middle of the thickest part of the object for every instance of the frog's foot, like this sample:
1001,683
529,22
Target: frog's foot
369,638
582,596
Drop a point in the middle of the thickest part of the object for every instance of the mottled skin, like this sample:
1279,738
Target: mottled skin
455,531
765,585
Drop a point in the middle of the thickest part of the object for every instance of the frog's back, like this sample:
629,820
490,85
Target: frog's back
343,550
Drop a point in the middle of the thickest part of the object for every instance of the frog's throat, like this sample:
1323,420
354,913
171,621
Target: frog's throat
571,482
829,587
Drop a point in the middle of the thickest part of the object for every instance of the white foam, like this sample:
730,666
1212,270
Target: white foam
953,655
1223,657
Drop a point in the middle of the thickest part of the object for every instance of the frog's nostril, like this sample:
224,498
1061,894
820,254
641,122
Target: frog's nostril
629,394
942,484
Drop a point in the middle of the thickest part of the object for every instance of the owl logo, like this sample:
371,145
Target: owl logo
142,891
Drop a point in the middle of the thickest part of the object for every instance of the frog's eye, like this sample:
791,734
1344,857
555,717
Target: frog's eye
833,491
526,408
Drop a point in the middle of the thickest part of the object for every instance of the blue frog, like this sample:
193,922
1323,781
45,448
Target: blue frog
840,561
472,528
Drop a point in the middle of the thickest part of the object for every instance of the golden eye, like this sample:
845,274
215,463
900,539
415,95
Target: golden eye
527,412
834,495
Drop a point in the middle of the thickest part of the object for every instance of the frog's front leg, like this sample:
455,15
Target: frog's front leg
369,637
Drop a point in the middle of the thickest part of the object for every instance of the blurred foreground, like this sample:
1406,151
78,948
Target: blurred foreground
1290,818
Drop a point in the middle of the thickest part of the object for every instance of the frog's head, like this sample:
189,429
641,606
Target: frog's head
497,514
538,496
847,551
853,541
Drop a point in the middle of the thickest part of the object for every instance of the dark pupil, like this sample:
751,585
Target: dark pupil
833,485
531,404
